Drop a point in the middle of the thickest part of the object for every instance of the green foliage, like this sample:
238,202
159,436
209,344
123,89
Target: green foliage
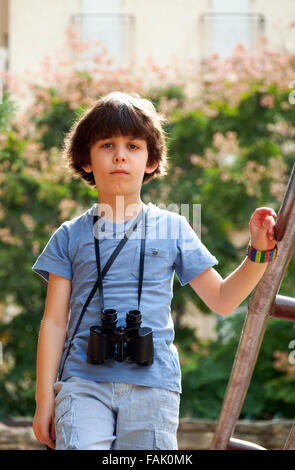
31,209
206,370
55,121
7,109
174,92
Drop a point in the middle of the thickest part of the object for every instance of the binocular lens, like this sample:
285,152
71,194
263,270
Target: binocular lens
109,315
108,320
133,316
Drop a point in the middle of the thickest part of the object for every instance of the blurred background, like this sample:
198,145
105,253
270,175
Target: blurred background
223,73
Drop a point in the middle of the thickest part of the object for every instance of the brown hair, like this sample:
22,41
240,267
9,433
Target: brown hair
116,113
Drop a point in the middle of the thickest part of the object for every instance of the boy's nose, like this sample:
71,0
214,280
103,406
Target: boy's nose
120,154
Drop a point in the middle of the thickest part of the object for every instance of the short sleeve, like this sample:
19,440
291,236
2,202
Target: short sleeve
192,255
55,258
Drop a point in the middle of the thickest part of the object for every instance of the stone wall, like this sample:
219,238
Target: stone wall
192,434
198,434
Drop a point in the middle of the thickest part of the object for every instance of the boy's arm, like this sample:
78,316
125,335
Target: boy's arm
52,334
50,347
225,295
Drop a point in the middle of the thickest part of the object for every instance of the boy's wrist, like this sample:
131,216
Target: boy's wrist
257,267
44,396
261,256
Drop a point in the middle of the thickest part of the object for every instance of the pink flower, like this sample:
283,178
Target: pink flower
267,101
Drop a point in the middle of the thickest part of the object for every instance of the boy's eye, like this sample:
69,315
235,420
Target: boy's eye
108,145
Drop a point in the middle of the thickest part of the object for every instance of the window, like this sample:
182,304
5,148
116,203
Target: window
102,21
229,23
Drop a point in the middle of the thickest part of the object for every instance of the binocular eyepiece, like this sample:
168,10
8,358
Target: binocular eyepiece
107,341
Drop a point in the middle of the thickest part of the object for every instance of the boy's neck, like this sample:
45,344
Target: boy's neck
120,208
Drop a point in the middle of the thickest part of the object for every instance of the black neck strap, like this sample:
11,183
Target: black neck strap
101,274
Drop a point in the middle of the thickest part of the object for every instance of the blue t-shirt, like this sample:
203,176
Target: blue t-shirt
171,246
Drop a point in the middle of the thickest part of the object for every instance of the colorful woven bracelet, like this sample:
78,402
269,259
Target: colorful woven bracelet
261,256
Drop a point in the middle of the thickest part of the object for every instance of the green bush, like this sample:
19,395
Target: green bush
206,371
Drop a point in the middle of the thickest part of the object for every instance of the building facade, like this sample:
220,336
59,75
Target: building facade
135,30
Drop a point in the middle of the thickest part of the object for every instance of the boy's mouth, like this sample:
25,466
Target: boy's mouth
119,172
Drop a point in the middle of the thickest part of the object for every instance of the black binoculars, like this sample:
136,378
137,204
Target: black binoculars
130,343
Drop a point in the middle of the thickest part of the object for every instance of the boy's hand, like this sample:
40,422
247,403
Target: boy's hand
261,228
43,423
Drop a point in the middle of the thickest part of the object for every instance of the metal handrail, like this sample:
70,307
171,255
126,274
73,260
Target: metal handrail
283,308
238,444
290,442
263,303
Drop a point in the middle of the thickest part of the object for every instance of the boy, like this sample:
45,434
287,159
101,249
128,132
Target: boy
117,146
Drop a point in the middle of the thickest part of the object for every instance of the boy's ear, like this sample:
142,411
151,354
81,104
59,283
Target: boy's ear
87,168
151,168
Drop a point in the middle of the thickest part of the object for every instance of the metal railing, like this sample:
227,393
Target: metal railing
263,304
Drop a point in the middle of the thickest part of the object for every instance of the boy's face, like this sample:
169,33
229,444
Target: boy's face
119,153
